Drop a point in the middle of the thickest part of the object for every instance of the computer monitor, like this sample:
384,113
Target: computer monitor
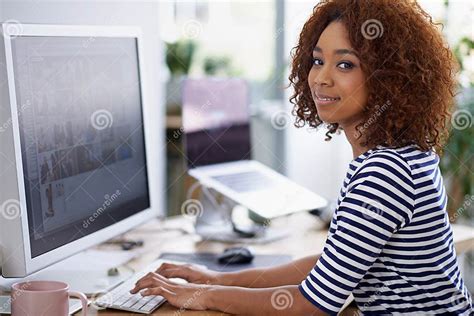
73,141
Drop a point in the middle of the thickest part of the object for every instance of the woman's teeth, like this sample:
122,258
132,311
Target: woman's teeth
327,99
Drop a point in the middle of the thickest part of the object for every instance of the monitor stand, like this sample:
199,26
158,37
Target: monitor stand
217,222
86,272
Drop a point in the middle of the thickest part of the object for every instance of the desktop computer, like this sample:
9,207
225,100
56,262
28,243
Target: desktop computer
74,143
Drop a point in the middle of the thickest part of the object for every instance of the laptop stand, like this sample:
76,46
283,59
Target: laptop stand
215,221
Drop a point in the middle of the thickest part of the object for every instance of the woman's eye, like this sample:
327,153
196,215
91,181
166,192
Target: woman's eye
317,62
345,65
342,65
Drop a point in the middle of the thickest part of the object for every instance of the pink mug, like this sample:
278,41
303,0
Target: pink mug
32,298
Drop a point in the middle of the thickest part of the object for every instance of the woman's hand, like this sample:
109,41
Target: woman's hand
191,273
188,296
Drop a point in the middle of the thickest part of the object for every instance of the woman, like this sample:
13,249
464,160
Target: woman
380,72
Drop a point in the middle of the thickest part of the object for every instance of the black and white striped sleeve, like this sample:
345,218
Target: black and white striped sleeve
379,201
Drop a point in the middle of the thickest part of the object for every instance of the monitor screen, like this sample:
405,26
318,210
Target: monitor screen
82,136
216,121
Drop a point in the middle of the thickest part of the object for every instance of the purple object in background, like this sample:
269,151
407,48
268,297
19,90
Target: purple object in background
216,121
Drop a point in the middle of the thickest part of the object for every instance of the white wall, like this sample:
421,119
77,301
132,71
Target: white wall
318,165
137,13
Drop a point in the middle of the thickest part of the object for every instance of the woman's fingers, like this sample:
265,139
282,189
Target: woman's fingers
162,267
146,277
175,273
180,296
178,271
173,270
149,275
151,280
144,284
159,290
166,266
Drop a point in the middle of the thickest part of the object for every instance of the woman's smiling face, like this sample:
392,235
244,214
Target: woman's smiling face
336,79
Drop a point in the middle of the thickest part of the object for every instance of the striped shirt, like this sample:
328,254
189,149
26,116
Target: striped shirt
390,241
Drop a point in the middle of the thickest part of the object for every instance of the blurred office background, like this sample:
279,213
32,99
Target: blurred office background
252,40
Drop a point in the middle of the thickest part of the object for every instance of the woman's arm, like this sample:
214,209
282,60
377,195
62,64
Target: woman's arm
284,300
286,274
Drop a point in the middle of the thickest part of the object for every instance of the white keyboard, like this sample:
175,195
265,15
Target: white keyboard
120,297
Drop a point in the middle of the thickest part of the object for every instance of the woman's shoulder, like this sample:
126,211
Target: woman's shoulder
401,164
392,162
390,158
407,156
412,157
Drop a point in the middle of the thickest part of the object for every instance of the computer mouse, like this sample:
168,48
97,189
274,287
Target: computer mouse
236,255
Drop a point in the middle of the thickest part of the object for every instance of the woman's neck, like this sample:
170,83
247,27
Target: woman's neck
354,138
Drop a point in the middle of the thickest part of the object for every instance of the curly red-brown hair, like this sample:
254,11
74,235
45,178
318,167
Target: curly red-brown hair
410,72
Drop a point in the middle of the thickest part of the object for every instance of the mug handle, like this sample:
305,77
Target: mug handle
83,299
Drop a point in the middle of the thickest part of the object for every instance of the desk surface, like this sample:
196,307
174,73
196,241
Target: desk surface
308,237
